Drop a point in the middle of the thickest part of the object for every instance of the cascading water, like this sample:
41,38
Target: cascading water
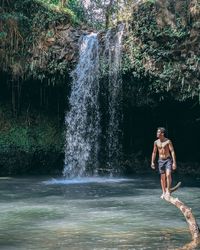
113,45
82,121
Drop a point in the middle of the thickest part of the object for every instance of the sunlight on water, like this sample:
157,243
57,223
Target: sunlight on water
93,213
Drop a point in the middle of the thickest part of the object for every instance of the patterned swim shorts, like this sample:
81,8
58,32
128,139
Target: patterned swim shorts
164,164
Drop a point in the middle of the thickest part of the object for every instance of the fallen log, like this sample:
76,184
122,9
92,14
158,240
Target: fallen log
191,221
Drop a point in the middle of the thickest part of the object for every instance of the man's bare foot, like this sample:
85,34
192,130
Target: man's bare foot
162,196
167,193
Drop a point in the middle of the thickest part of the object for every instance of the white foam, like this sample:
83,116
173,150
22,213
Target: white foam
83,180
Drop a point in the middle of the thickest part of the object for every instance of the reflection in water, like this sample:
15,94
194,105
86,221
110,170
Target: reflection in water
100,214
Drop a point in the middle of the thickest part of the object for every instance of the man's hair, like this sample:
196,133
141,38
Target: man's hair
162,129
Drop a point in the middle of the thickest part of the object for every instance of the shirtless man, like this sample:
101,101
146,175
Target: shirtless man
166,162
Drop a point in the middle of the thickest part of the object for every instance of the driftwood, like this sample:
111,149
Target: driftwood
192,224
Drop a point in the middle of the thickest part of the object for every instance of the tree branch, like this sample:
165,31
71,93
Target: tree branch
192,224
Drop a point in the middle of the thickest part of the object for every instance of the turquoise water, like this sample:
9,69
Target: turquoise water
93,213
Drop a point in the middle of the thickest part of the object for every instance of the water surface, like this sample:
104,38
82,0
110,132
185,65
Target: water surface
92,213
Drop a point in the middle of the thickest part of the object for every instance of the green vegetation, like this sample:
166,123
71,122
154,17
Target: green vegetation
27,25
160,48
20,135
31,130
30,145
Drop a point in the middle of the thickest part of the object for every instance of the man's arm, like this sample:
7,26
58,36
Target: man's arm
153,157
171,148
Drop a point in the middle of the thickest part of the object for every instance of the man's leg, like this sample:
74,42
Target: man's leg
169,180
163,182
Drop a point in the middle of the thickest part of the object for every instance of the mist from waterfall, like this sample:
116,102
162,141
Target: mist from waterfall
83,119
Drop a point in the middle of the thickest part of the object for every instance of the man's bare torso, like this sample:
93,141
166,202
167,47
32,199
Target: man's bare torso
163,148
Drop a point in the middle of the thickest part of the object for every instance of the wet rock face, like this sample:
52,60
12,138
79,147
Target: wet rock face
57,49
59,45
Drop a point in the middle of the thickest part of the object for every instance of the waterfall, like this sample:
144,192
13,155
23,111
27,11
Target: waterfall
83,119
84,137
113,45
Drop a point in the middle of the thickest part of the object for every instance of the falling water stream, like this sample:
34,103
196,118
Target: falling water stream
113,46
82,120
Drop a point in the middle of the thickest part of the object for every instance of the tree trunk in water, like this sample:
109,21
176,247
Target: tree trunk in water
192,224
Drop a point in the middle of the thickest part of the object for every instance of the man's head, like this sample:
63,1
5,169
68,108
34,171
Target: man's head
161,132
